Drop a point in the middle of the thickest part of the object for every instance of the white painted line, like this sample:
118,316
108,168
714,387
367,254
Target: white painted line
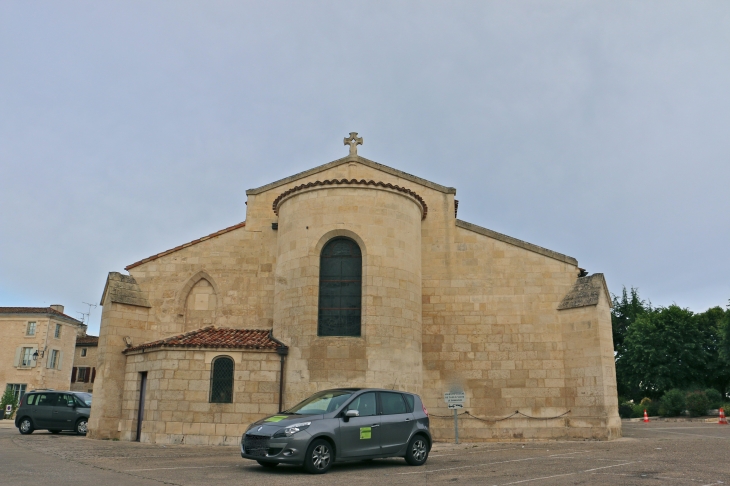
613,465
538,479
180,467
491,463
695,435
483,450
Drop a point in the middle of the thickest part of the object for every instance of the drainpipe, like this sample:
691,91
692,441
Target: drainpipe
282,350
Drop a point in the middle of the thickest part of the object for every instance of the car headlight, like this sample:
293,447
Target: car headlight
292,429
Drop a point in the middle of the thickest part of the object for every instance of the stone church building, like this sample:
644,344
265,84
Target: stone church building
354,274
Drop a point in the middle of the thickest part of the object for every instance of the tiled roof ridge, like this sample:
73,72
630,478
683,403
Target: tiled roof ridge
362,182
190,243
216,337
35,310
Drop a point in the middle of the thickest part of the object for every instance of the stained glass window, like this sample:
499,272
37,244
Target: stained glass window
221,380
340,288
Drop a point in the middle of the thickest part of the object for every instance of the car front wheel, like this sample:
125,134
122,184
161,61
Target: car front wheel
81,426
417,452
319,457
26,426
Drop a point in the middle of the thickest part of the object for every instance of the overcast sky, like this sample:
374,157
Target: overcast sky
596,129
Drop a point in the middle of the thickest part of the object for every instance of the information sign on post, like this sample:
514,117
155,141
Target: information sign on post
8,409
455,401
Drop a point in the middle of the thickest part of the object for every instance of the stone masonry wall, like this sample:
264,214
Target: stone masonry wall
177,408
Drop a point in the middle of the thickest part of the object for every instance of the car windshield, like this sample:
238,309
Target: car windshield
84,397
322,402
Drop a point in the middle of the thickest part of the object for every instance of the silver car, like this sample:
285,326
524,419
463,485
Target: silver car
346,424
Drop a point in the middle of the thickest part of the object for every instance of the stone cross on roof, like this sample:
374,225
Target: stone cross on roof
353,141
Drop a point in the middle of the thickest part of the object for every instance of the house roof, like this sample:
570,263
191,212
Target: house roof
345,160
87,341
191,243
216,337
41,311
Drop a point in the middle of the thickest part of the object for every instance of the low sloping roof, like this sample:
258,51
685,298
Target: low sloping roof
87,341
586,291
124,289
216,337
45,311
190,243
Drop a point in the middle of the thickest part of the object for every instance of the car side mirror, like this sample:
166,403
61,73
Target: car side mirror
352,413
71,404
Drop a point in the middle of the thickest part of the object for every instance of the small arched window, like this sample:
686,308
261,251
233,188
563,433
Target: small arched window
340,288
221,380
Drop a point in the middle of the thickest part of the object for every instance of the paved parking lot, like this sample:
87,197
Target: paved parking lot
649,454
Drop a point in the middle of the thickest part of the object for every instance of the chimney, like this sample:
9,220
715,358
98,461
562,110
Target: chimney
58,308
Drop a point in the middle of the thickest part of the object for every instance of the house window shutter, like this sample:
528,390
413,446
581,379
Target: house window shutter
86,375
60,357
93,374
17,356
49,354
73,374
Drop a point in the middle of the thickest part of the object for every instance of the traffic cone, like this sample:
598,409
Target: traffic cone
646,417
723,420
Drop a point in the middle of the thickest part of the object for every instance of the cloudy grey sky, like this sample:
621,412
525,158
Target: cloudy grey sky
596,129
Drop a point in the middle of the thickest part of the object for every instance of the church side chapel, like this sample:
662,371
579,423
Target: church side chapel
354,274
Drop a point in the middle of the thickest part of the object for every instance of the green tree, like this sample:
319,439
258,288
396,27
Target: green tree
711,324
624,313
663,349
8,399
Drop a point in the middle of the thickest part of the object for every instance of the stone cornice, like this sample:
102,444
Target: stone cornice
360,160
514,241
352,182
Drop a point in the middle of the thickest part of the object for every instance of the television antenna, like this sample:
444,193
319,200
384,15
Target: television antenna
86,315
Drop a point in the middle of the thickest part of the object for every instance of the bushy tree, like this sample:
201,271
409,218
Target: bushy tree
711,324
8,399
663,349
624,313
672,403
697,403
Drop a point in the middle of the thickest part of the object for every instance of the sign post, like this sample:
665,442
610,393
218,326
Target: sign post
455,401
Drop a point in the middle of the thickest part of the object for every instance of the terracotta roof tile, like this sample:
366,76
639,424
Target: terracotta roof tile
191,243
36,310
216,337
87,341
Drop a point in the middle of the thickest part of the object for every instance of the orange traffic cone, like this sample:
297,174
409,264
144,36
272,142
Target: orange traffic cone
723,420
646,417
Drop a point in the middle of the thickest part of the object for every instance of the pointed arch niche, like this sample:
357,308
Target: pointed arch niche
200,302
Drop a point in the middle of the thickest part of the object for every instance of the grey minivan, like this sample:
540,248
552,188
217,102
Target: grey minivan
346,424
54,411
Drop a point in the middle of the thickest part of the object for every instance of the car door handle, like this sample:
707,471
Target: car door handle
375,425
408,420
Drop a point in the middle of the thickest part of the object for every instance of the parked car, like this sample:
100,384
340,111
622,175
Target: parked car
54,411
347,424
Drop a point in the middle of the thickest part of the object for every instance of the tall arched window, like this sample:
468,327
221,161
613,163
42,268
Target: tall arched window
340,288
221,380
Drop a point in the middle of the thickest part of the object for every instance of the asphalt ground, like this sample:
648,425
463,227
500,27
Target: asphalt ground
657,453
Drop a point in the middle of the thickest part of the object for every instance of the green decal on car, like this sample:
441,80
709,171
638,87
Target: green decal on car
366,432
276,418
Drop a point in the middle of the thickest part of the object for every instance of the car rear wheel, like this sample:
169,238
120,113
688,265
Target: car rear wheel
268,464
319,457
26,426
417,451
82,426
